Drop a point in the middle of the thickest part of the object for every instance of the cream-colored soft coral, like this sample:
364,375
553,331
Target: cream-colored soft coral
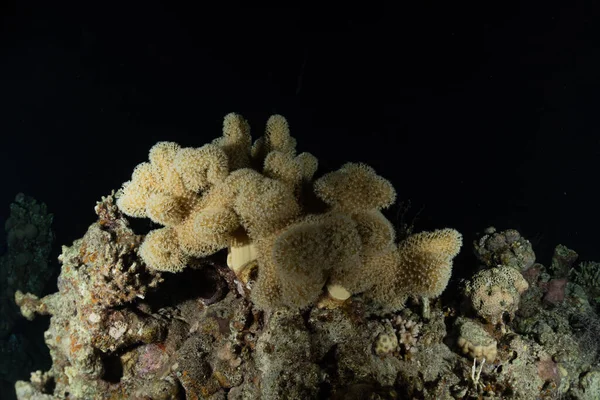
296,262
253,199
201,168
168,191
295,171
157,189
157,177
202,206
375,230
264,205
355,188
352,249
370,238
236,141
132,197
423,267
276,138
161,251
426,261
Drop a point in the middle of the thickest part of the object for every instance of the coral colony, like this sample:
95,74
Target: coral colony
258,281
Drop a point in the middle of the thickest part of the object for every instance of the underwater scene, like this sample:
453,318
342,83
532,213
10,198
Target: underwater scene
371,203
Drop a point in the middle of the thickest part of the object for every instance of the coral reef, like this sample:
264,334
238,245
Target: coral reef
264,282
505,248
587,275
494,293
562,261
24,266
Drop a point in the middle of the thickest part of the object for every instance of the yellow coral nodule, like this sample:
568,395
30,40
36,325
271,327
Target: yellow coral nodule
242,252
338,292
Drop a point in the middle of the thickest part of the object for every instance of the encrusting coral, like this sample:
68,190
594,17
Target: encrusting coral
234,194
